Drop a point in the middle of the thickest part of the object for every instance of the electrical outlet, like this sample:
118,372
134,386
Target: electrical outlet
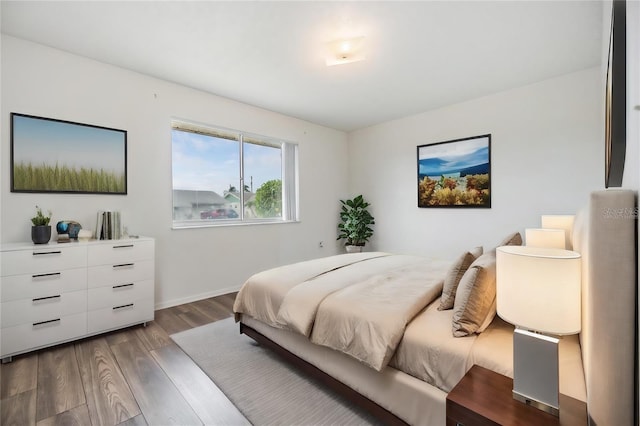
321,244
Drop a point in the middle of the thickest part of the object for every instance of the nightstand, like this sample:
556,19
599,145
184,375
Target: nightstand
483,397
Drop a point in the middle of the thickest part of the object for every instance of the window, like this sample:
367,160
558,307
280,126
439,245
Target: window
223,176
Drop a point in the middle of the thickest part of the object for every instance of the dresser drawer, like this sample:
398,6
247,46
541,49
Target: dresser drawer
120,273
51,258
25,337
45,308
118,295
117,252
28,286
114,317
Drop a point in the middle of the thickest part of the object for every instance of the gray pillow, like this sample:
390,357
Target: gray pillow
514,239
453,277
476,251
474,305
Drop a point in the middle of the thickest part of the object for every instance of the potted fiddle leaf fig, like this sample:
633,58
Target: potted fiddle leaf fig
355,224
41,230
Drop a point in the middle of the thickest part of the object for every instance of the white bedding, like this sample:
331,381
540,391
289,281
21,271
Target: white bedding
269,288
360,308
349,309
429,352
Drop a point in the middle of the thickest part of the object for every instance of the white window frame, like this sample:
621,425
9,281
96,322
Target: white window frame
289,175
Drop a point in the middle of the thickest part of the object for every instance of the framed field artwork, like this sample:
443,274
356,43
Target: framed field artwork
455,173
49,155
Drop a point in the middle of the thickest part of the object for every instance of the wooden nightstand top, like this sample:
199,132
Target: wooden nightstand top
484,397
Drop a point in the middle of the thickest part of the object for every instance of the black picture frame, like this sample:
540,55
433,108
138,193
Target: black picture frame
455,173
616,97
59,156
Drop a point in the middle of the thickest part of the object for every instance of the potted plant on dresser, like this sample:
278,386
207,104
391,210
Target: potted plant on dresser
41,230
354,226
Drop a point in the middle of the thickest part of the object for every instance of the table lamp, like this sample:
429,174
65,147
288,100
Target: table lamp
538,290
541,237
560,221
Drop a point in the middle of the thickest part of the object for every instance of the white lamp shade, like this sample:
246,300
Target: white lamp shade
557,221
539,288
550,238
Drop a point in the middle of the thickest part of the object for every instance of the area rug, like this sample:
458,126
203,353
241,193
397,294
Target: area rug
261,385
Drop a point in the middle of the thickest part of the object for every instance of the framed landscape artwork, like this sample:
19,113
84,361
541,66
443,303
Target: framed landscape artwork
49,155
455,173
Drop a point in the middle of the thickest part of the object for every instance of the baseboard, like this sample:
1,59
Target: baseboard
189,299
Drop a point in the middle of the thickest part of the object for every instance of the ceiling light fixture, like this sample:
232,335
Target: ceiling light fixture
345,51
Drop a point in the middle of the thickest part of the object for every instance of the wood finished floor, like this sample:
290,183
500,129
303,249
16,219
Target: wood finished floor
134,376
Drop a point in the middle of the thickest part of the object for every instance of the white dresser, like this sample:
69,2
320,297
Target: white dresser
54,293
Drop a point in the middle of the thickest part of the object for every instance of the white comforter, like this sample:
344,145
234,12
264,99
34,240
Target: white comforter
359,304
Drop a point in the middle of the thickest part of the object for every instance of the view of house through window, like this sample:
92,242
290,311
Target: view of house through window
224,176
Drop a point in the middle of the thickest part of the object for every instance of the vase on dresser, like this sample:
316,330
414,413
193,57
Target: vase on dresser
40,234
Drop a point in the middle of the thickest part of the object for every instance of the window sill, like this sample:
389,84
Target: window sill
208,224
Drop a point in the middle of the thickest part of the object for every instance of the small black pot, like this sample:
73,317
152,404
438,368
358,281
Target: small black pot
41,234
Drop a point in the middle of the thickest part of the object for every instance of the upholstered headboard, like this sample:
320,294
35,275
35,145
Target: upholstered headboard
606,237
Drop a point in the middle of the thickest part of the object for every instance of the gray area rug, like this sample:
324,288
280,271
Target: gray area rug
265,389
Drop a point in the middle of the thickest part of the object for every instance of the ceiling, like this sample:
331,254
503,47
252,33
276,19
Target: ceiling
420,55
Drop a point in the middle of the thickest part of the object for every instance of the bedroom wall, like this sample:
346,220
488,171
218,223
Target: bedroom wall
190,263
631,178
546,156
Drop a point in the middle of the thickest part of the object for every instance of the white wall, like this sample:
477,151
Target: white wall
631,178
547,154
190,264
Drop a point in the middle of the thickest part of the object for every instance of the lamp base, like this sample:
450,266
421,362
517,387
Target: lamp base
536,404
536,370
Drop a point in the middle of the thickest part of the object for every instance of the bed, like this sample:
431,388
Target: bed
333,316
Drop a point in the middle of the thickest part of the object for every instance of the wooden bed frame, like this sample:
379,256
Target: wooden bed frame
607,242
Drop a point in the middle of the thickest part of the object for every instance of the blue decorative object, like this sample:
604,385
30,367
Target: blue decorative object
74,228
62,227
69,227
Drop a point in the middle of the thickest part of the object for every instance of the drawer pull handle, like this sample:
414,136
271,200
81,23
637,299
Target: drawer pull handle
130,305
51,274
50,322
123,246
41,299
115,287
43,253
124,265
